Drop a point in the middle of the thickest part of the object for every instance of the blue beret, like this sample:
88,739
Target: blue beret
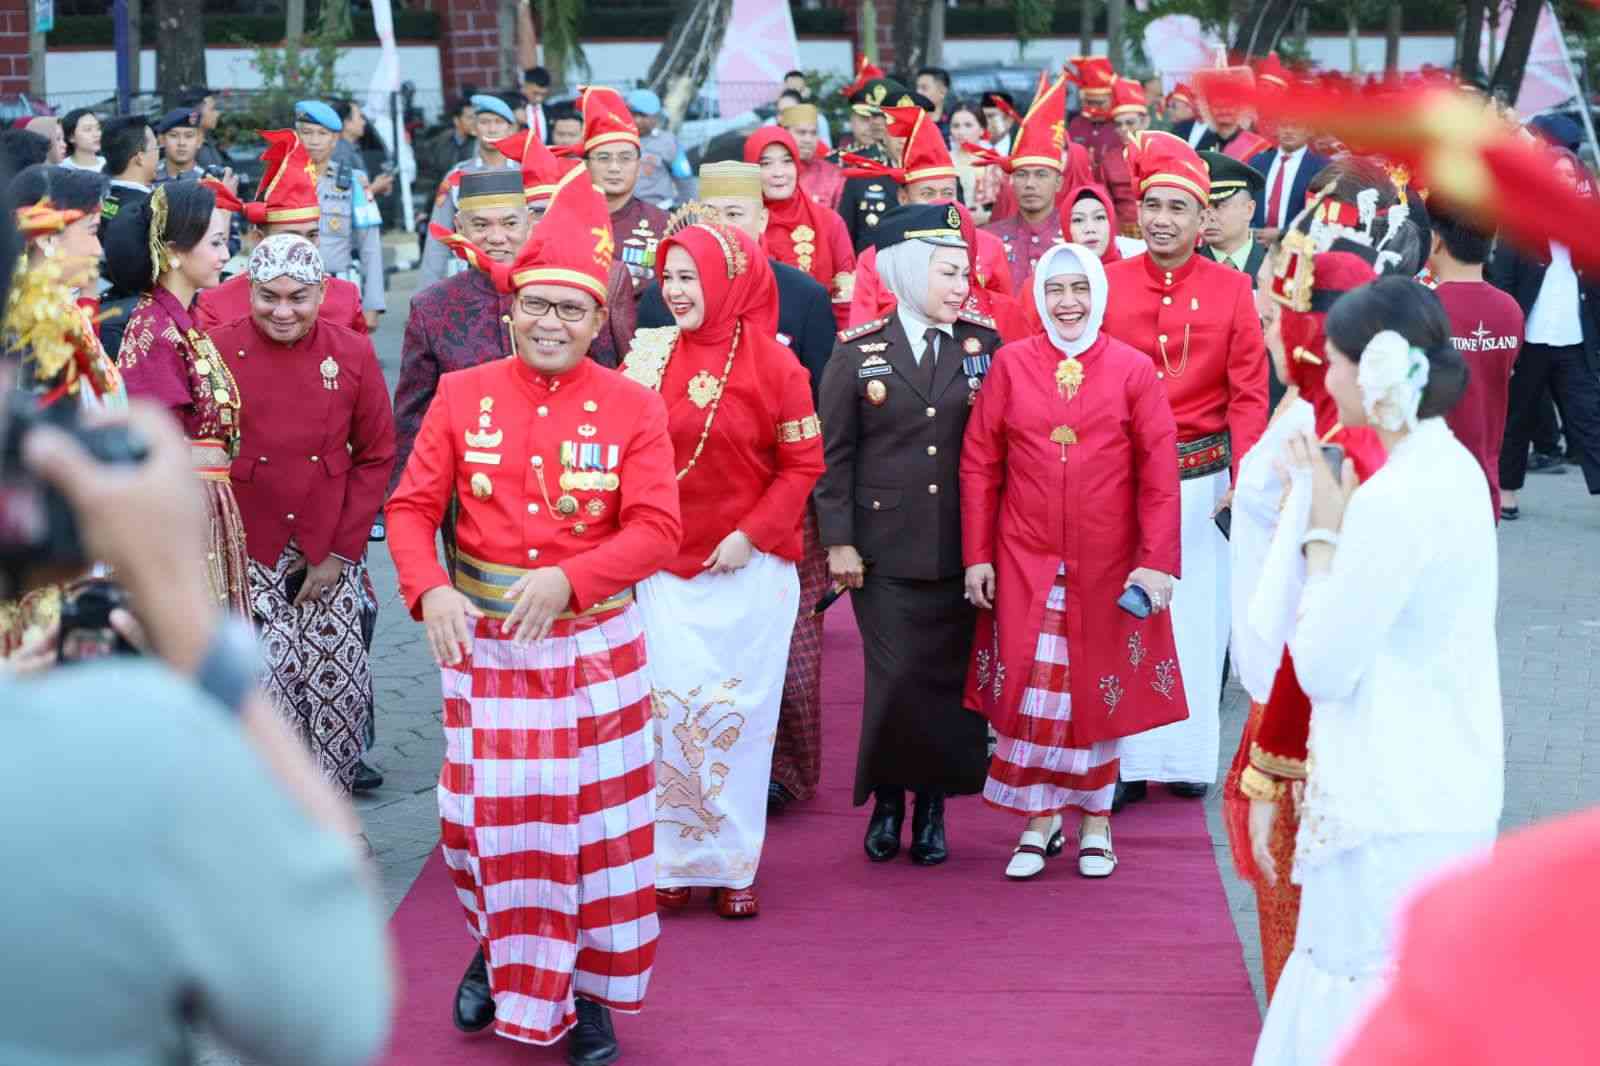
318,112
183,116
644,102
495,106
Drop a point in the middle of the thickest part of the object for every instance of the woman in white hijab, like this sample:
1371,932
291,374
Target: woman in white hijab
894,401
1070,527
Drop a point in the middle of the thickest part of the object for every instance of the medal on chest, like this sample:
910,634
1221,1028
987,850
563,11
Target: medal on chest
330,373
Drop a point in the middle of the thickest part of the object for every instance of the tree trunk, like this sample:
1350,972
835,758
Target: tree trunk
1507,81
688,55
36,57
1493,18
1469,61
1116,46
1302,29
1353,21
1086,27
180,47
936,33
510,71
1262,25
1391,39
910,35
294,33
135,44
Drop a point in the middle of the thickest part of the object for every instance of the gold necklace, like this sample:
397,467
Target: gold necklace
209,364
716,400
1183,360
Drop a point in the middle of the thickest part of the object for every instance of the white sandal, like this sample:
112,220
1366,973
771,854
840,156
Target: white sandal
1095,857
1031,851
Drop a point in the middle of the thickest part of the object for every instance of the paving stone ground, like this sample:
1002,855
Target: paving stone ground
1549,630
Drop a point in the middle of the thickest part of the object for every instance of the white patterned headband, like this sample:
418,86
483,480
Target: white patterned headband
287,255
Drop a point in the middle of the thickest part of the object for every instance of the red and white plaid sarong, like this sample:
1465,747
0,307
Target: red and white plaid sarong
547,804
1036,773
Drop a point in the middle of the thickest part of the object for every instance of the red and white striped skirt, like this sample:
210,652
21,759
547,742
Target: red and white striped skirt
547,804
1036,772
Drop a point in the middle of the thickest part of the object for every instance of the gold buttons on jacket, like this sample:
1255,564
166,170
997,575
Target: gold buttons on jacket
932,412
877,505
263,459
543,410
533,553
933,449
314,458
289,516
933,490
1166,299
533,508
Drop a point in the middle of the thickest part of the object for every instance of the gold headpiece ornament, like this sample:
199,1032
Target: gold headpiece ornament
710,219
160,258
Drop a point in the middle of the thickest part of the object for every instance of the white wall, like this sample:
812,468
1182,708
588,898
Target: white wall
81,76
1329,51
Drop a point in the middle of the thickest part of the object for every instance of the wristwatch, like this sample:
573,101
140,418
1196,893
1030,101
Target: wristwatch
231,668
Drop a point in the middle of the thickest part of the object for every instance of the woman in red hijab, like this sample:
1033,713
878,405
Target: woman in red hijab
800,232
719,617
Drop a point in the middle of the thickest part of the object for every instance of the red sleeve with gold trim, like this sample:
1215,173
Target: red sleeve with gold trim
776,516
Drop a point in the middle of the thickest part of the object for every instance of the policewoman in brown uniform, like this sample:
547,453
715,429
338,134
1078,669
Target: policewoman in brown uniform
894,402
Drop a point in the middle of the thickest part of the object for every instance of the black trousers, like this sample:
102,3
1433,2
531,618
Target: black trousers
1566,373
1546,430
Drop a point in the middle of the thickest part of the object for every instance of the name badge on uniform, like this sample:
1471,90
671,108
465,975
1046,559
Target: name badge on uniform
874,371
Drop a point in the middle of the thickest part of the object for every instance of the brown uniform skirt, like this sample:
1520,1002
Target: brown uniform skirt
916,637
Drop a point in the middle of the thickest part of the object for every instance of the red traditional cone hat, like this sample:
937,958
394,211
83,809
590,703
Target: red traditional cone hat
1127,97
865,72
288,191
1181,92
1093,74
1270,72
606,118
570,246
1160,160
1229,91
541,170
925,158
1041,136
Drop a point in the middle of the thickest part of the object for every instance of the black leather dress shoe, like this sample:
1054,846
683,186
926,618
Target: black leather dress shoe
883,831
927,830
1128,792
778,798
474,1004
1189,789
366,778
592,1042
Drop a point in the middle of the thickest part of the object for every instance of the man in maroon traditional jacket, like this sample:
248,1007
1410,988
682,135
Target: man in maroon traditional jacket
611,152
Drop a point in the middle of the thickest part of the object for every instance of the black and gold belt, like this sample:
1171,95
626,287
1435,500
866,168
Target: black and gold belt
485,584
1206,455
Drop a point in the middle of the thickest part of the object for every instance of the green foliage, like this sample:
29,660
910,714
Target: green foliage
1033,18
564,25
309,71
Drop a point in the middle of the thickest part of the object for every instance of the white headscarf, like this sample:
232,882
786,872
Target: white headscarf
1071,259
905,270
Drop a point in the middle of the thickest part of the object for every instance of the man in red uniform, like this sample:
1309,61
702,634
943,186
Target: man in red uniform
567,496
1092,126
927,175
314,460
1197,321
1035,165
1486,327
611,152
285,203
1130,114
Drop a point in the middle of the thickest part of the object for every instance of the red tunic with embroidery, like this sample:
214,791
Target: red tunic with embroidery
159,361
230,302
1198,324
1024,242
618,535
1102,506
823,182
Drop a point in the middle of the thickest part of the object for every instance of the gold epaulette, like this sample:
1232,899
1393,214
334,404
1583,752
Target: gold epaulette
977,318
866,327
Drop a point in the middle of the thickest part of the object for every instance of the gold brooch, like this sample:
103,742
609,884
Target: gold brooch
1069,376
703,388
330,373
1063,435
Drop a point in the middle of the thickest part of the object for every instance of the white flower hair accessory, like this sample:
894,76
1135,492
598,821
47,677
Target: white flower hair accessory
1392,374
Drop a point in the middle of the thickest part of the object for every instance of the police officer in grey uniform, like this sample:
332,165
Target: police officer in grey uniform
493,121
351,225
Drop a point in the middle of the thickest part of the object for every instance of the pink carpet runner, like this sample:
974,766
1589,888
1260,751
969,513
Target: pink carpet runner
852,962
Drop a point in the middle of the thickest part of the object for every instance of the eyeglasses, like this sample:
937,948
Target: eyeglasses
565,311
621,159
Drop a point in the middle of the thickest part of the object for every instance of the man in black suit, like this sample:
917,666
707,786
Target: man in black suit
1225,227
1287,171
535,113
805,314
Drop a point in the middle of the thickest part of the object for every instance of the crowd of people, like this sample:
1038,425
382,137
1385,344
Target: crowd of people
1078,406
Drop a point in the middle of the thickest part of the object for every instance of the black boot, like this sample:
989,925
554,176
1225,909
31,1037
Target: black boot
883,831
778,798
927,830
592,1041
1127,792
1189,789
474,1004
366,778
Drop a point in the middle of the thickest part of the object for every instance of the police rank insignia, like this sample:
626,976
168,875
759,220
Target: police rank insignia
873,348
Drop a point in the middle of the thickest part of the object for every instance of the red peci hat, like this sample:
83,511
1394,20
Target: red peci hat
1182,92
865,72
1160,160
571,245
606,118
541,170
1127,97
1091,73
1270,73
288,191
925,157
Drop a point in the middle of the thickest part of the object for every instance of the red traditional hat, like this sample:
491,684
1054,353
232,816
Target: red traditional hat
606,118
1041,136
1127,98
865,72
541,170
1225,90
570,246
1159,160
226,200
925,157
1271,73
1182,92
288,189
1091,73
43,219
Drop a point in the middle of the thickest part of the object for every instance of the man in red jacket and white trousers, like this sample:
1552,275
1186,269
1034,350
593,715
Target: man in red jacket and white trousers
313,464
567,496
1196,319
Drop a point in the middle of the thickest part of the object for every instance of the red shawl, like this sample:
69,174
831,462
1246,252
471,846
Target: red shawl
784,217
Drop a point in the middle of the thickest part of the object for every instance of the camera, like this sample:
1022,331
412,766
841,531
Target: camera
217,172
86,631
38,530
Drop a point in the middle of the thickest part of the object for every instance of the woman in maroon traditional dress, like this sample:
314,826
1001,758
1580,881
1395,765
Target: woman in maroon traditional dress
1069,497
169,248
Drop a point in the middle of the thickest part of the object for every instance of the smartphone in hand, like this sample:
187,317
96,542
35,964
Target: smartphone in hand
1333,455
1135,600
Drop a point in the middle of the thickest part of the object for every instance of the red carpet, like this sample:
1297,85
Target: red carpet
897,965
